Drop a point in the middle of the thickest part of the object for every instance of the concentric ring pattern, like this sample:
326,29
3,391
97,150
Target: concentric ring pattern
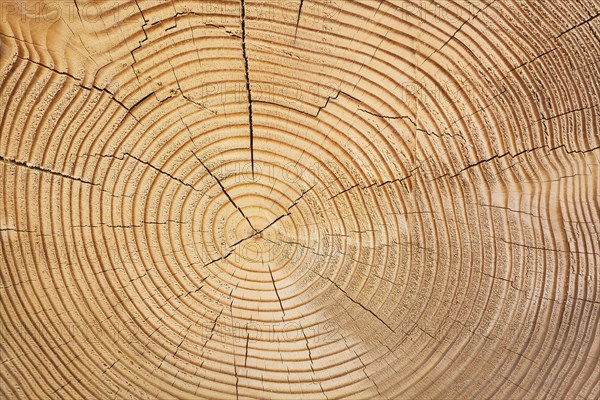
300,199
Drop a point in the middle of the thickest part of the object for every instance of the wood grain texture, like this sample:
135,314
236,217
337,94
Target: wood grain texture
311,199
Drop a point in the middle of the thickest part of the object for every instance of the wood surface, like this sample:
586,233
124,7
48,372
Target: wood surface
300,199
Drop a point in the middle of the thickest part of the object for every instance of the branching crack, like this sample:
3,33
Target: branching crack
217,179
316,115
141,41
202,106
262,230
258,232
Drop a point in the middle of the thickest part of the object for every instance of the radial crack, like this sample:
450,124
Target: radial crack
247,342
161,171
92,87
298,19
376,184
248,90
276,292
43,169
587,21
307,348
356,302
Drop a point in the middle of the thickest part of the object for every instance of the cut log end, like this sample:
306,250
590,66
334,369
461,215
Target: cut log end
304,199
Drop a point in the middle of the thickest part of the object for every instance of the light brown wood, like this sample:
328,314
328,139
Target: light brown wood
299,199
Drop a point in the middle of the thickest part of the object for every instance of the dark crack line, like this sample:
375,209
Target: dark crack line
551,117
295,244
407,117
212,331
20,40
276,292
47,170
497,156
520,355
235,371
388,117
307,348
585,300
77,8
140,41
233,338
160,171
16,230
364,366
323,391
458,30
61,387
355,302
140,225
248,90
509,154
587,21
247,342
491,102
295,203
509,209
113,364
91,57
530,61
586,253
187,331
344,191
79,80
298,20
140,101
217,259
497,277
376,184
225,191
